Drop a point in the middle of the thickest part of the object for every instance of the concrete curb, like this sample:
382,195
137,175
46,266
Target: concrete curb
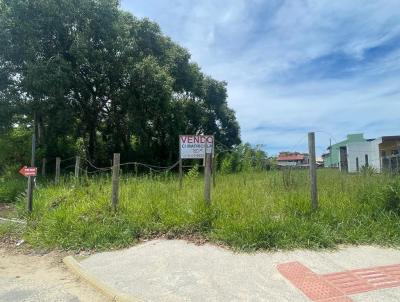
108,291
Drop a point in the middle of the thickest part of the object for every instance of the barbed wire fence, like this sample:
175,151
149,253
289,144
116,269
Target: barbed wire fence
220,149
78,167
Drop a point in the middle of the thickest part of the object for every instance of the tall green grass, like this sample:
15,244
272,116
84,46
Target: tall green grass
249,211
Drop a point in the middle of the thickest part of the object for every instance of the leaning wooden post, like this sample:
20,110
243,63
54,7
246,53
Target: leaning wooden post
313,170
44,167
77,165
207,177
58,163
115,181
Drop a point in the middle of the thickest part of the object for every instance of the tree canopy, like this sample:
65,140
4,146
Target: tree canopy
97,80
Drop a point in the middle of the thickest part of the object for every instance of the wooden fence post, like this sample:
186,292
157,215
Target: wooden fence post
214,170
313,170
77,165
115,181
58,163
44,167
31,179
180,173
207,177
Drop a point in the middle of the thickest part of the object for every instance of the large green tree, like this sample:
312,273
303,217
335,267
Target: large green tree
97,80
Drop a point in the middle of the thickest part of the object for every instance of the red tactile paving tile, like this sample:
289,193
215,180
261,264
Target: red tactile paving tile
348,283
312,285
295,270
317,288
363,280
335,287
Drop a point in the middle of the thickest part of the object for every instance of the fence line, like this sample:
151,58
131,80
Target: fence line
67,159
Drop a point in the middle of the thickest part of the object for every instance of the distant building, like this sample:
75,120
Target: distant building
381,154
332,158
319,160
293,159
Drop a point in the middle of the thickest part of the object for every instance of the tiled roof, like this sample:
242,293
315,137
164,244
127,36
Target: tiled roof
291,157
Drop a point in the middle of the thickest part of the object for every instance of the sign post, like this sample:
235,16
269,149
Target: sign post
30,173
198,147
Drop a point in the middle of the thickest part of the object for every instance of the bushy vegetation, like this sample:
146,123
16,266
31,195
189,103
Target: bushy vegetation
243,158
250,210
10,189
14,153
11,185
91,79
391,196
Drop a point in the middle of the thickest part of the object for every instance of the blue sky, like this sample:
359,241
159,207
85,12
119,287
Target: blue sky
294,66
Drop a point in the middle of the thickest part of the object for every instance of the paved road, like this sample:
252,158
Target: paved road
175,270
40,278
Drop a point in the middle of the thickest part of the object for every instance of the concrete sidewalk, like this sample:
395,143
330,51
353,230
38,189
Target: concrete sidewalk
175,270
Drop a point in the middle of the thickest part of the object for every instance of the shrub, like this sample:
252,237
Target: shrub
10,189
391,196
368,170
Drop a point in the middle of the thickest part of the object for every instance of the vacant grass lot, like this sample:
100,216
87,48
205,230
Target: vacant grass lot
255,210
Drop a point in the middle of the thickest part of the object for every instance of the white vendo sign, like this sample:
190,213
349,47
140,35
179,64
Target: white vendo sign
194,146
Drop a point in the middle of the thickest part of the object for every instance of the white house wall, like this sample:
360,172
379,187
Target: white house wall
359,150
287,163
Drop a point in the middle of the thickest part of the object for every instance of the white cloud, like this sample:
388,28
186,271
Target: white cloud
294,65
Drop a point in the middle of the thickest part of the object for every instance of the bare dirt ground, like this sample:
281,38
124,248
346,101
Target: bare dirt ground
7,210
33,277
28,275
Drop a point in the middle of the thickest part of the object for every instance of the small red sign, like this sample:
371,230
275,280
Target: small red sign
28,171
